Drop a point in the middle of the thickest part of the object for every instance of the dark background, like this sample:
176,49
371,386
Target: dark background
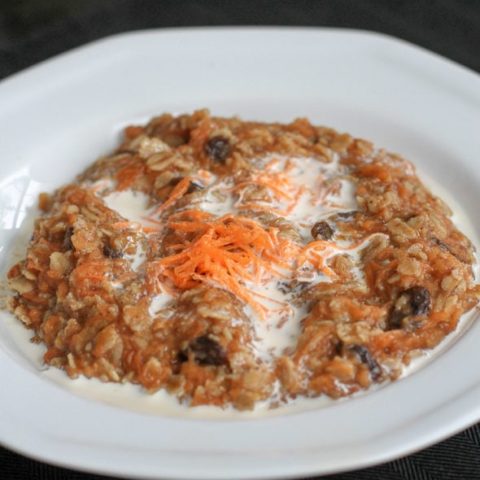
34,30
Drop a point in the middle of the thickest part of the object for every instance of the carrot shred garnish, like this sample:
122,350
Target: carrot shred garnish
228,251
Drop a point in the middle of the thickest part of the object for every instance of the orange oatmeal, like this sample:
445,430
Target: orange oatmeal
233,262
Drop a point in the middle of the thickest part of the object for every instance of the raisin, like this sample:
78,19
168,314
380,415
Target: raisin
218,148
414,301
394,321
338,347
67,239
110,252
366,357
207,351
182,356
322,230
419,300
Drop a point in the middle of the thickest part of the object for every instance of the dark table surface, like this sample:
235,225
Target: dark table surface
34,30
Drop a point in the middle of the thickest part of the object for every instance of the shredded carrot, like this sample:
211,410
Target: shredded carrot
154,221
91,270
125,224
261,208
273,300
227,251
191,214
232,251
133,131
128,174
178,192
148,229
278,183
296,198
99,186
310,253
375,170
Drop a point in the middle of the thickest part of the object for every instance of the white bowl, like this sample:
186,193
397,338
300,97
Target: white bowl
57,117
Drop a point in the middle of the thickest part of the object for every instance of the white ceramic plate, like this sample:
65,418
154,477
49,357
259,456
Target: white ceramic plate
58,116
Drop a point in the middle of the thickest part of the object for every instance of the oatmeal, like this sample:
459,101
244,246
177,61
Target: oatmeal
232,262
